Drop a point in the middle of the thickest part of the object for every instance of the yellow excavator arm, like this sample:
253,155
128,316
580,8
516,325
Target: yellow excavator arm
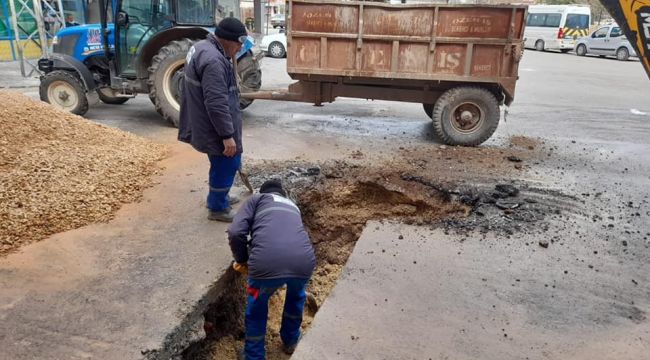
633,16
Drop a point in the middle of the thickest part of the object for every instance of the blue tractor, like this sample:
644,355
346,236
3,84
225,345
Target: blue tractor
139,47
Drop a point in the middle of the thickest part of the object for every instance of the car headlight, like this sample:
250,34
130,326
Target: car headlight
55,40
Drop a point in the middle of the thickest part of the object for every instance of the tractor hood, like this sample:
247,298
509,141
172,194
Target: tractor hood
80,29
82,41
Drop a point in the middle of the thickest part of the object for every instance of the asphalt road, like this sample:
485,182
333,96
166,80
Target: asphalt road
579,93
593,116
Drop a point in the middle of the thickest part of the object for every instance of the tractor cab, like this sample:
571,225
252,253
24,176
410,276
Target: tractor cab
137,21
139,47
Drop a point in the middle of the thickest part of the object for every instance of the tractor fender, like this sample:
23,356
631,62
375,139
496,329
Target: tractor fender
161,39
67,62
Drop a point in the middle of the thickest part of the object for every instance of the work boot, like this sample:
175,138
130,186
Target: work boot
233,199
289,349
224,215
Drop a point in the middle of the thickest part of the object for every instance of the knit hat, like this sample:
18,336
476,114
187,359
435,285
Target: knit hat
231,29
273,186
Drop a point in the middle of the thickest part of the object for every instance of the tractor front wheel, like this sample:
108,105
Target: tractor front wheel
166,79
63,90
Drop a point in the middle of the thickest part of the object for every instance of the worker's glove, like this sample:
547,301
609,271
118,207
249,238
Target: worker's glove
240,268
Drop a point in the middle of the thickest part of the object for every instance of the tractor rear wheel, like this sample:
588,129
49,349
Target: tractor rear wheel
166,79
248,70
65,91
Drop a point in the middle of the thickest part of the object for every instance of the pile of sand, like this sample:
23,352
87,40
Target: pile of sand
59,171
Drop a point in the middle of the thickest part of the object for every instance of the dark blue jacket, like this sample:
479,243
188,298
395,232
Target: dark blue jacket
210,109
279,246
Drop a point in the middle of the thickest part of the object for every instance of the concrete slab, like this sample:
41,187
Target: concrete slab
431,296
132,287
11,77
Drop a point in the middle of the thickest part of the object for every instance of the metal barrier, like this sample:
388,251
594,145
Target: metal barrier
39,12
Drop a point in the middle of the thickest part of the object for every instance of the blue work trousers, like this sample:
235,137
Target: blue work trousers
222,175
257,309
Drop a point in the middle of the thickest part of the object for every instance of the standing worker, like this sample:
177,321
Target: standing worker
210,117
279,253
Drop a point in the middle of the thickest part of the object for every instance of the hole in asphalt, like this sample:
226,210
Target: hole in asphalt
335,211
337,200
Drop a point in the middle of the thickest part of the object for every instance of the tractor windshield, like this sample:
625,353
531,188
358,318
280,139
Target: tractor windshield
141,20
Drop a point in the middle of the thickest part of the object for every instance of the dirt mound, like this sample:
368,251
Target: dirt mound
59,171
525,142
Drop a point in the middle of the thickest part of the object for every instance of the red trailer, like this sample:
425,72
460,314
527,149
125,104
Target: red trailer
459,61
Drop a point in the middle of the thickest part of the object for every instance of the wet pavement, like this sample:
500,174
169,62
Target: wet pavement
11,77
586,295
413,293
578,288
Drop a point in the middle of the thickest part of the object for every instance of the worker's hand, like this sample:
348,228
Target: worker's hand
230,147
240,268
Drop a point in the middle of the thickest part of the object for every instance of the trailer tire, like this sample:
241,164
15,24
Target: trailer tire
250,74
65,91
107,96
166,79
465,115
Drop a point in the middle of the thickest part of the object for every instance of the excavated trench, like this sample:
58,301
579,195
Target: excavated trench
336,201
335,210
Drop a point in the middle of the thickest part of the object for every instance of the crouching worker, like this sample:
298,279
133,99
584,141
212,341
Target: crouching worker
279,253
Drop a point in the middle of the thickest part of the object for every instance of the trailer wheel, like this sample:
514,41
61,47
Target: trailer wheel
109,96
166,79
465,115
251,77
64,91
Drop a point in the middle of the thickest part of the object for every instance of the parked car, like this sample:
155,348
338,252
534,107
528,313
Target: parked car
278,21
275,45
608,40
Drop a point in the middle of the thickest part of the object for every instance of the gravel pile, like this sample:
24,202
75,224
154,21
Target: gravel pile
59,171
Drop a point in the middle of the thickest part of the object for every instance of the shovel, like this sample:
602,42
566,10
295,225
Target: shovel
244,178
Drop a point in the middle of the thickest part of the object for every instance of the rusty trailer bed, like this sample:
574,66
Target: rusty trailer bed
419,42
459,61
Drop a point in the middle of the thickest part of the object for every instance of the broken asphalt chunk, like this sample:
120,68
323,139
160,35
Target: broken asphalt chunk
507,189
506,205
